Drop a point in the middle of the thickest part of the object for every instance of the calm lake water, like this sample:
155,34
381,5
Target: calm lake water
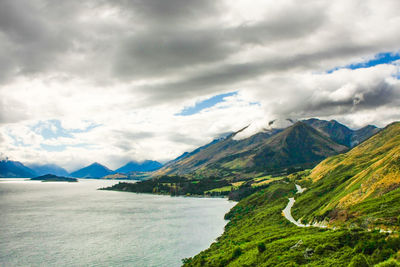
73,224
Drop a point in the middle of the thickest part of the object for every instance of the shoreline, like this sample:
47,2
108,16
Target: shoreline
160,194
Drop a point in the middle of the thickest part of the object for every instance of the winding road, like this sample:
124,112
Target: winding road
287,210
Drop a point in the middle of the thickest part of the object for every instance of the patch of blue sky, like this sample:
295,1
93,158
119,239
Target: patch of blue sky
53,148
59,148
381,58
208,103
53,129
17,141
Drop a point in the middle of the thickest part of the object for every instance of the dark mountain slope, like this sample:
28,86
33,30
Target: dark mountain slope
270,150
214,151
342,134
297,145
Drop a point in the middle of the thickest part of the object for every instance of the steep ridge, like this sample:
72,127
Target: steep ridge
272,150
297,145
361,186
213,152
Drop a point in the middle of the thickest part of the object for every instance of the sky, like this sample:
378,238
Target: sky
111,81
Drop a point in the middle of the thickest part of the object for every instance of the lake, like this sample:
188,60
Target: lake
73,224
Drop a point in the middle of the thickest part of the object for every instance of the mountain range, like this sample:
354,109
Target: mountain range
273,150
15,169
303,144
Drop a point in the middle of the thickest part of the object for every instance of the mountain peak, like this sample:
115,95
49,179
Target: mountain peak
144,166
94,170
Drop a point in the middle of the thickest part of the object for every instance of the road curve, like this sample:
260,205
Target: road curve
287,210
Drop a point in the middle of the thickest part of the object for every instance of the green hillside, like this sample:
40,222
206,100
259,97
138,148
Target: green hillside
357,194
361,186
258,235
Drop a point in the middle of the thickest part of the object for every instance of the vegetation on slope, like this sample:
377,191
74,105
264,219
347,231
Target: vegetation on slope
182,186
54,178
360,187
357,192
258,235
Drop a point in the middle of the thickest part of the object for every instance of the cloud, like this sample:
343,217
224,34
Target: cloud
114,74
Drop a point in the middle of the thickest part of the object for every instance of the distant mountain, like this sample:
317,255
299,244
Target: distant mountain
342,134
272,149
363,134
15,169
94,170
48,169
145,166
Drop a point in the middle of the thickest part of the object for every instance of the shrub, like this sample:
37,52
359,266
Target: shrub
236,253
330,246
359,260
186,260
261,247
393,243
389,263
319,250
382,255
366,247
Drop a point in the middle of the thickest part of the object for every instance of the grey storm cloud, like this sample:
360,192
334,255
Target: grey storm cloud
220,77
168,13
380,94
160,51
186,40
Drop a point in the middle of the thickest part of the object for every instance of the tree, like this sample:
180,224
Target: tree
261,247
236,253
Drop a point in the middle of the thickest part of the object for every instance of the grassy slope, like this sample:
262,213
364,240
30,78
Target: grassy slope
360,186
257,221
